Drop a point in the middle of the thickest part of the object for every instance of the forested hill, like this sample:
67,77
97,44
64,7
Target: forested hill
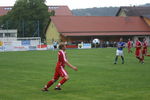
104,11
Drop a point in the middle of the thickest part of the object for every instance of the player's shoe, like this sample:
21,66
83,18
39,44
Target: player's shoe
57,88
44,89
115,63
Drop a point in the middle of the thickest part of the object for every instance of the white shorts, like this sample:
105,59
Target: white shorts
119,52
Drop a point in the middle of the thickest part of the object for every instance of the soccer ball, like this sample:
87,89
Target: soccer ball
96,41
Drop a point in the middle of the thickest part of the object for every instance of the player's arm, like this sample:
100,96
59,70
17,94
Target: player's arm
145,45
71,66
118,46
124,45
67,62
121,46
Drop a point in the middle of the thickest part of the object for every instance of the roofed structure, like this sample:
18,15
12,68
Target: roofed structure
60,10
133,11
4,10
68,28
101,25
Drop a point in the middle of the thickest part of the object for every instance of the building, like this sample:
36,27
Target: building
4,10
86,28
60,10
8,33
143,12
133,11
147,19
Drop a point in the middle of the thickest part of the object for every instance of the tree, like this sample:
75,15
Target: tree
30,17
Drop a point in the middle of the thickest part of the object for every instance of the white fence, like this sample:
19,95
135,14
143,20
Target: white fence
20,44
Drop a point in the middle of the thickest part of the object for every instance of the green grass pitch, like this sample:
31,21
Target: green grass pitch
23,74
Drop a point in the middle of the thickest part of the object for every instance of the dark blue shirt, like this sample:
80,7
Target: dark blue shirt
120,45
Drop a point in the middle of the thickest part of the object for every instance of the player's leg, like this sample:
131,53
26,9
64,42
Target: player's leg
141,55
116,58
128,49
64,79
50,83
122,56
64,76
146,52
138,58
142,58
137,53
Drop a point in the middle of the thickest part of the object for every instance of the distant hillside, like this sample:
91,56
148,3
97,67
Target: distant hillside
146,5
103,11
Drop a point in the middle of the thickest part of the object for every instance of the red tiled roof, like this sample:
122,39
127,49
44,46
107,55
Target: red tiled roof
60,10
106,33
4,10
99,24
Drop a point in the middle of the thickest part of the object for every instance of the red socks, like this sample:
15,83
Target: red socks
52,81
49,83
61,82
142,58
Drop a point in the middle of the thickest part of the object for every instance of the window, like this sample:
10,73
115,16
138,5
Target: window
1,34
7,34
12,35
53,7
8,8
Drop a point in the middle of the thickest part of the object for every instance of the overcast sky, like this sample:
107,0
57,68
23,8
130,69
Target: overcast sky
75,4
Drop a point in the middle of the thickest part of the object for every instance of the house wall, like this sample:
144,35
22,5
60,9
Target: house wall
147,21
122,13
52,34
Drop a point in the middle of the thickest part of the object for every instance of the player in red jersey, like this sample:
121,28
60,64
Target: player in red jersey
138,52
129,44
144,49
59,70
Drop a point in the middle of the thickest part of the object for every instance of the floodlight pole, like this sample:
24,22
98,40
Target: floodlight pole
7,25
3,43
23,28
38,28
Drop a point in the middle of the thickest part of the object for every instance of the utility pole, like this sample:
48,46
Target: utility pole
23,28
38,30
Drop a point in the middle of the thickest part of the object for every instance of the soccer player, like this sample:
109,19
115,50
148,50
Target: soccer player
60,69
129,45
119,51
144,49
138,52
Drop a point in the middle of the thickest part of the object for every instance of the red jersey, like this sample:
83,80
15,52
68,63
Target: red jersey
61,58
138,45
129,43
145,45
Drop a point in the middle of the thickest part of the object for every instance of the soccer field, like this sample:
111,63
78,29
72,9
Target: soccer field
23,74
